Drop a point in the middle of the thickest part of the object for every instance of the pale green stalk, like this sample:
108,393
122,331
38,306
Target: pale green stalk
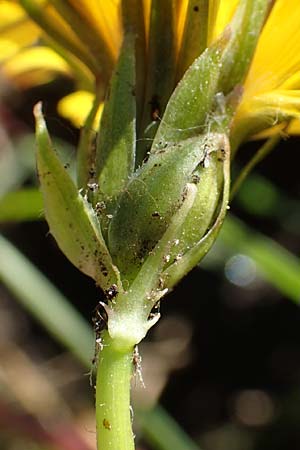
113,411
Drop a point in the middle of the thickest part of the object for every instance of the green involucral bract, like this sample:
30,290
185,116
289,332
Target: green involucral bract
117,134
245,29
137,222
188,112
132,310
122,229
185,262
156,192
71,218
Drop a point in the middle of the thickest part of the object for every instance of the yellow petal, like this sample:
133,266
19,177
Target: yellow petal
61,33
280,128
294,127
10,12
293,82
7,49
76,107
277,56
15,26
103,16
34,60
264,112
181,17
220,14
281,103
147,8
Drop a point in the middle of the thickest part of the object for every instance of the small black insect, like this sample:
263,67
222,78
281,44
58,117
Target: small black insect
155,214
137,365
93,187
106,424
92,172
195,178
155,310
100,207
99,320
155,108
112,292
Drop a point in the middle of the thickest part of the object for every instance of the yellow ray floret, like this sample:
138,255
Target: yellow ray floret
220,14
271,88
34,65
76,106
277,57
104,17
15,27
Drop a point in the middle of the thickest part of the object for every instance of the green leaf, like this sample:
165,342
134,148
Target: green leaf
25,204
17,162
117,137
71,219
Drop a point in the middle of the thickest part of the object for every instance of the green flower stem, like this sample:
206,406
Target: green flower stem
113,416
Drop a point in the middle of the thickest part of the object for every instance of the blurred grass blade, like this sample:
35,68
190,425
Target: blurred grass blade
22,205
45,303
258,156
270,196
163,432
17,162
277,265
